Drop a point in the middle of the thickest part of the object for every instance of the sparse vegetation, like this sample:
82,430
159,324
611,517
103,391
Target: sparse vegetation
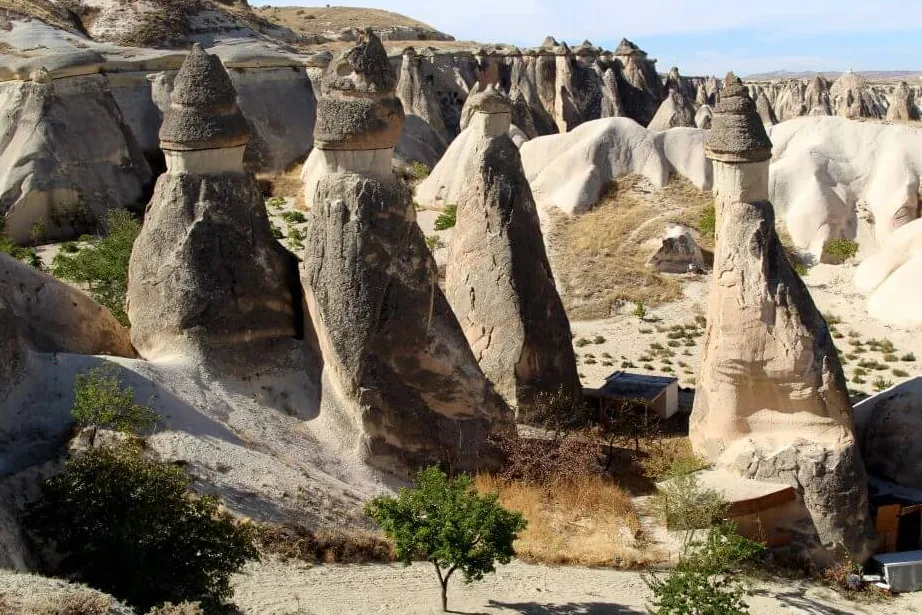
10,248
707,223
276,202
419,171
908,358
293,217
102,266
840,250
132,527
446,522
434,242
447,219
347,546
882,384
102,400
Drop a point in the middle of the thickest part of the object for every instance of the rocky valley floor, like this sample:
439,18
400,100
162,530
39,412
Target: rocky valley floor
276,588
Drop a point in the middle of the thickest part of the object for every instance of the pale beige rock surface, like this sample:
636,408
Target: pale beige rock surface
498,280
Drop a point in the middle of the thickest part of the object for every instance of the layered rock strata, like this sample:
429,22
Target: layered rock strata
772,402
397,366
498,279
206,276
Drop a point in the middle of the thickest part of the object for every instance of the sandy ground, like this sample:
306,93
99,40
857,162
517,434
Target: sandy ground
275,588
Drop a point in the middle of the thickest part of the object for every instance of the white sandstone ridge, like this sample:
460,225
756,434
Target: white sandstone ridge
831,178
572,171
891,277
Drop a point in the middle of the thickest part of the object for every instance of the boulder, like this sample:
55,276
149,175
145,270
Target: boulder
396,365
52,316
498,280
679,252
888,425
206,275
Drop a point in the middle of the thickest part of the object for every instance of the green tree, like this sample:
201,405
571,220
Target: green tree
444,521
102,400
705,581
103,265
131,526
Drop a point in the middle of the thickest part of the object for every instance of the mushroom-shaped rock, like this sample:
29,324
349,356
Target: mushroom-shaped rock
397,369
207,279
772,402
737,133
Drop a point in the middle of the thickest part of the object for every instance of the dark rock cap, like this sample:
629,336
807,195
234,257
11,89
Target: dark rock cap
358,108
627,48
490,101
737,133
363,69
203,111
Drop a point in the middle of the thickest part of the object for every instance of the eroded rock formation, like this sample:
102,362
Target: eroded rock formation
674,111
424,137
498,280
206,277
640,87
52,316
396,363
902,104
772,402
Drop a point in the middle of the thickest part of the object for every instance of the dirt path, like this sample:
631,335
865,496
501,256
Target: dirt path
275,588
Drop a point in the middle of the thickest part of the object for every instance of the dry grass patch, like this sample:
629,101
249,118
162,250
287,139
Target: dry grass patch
345,546
587,521
600,257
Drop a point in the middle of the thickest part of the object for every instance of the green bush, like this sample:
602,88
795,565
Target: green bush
419,171
102,266
840,250
132,527
293,217
707,224
101,400
705,582
685,505
434,242
447,219
908,358
640,311
9,247
444,521
277,202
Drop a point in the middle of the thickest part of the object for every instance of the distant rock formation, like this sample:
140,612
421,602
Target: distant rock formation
51,316
69,157
772,402
396,363
852,98
498,280
902,104
206,277
424,137
678,253
764,109
675,111
704,117
640,88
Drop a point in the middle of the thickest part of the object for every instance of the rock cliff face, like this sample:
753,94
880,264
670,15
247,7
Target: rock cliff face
206,275
67,157
772,402
396,363
12,350
498,279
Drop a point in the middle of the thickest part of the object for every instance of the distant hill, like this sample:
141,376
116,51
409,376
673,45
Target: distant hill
906,75
338,23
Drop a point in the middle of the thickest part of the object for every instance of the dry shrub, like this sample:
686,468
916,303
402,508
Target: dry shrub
348,546
286,184
845,576
76,602
183,608
669,457
586,521
600,257
565,458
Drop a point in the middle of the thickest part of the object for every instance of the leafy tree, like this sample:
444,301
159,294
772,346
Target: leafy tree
704,582
132,527
444,521
102,400
103,265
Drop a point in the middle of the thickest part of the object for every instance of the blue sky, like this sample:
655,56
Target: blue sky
704,36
